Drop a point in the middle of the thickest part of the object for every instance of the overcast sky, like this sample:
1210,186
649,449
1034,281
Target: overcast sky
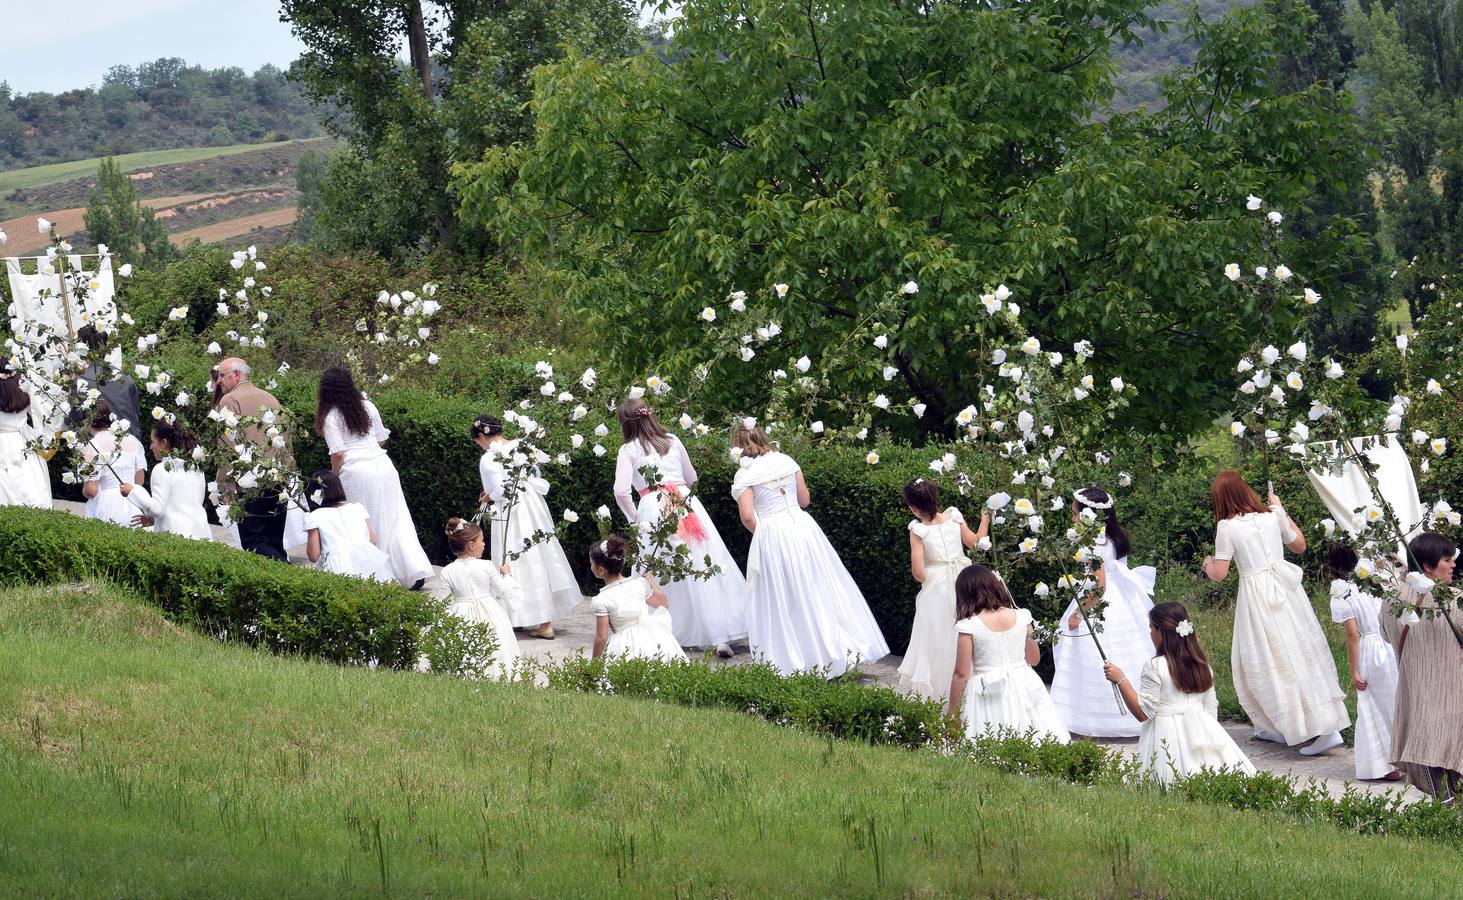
56,47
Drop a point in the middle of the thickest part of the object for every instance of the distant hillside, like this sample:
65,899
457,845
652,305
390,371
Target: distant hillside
163,104
1140,68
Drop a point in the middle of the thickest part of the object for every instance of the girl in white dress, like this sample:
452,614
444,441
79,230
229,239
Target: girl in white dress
1373,667
1084,700
709,612
179,489
24,478
113,464
630,614
807,614
937,545
548,588
356,439
994,657
338,533
480,591
1283,670
1175,701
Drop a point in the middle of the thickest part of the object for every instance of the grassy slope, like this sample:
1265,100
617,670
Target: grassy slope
137,759
39,176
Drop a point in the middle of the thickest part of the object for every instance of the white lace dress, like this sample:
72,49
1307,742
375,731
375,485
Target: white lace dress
1182,734
1377,663
370,479
636,629
24,478
176,500
929,661
478,592
807,613
1004,692
114,465
548,590
708,611
1284,673
1080,691
345,543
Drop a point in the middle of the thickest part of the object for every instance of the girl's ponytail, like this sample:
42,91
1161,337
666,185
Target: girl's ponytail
1180,646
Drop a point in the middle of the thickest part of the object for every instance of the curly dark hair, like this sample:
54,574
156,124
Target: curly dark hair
13,398
338,391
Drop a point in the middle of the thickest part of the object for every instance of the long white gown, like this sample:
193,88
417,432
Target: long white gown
115,465
548,590
24,477
1004,692
1082,694
1182,734
478,592
929,661
345,543
705,612
370,479
1284,673
1377,663
176,500
637,630
807,613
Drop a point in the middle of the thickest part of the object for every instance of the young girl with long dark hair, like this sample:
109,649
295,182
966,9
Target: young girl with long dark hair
339,537
24,478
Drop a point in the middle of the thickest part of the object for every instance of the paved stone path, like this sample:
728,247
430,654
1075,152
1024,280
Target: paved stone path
575,634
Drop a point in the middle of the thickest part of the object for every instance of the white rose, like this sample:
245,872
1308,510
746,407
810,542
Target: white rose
1282,271
1231,271
803,364
1237,429
919,410
881,402
1402,342
816,427
708,314
1261,271
1269,355
997,501
1253,203
911,288
747,354
125,270
881,341
1297,351
890,372
571,516
873,458
1275,217
1002,293
781,290
600,430
1311,297
1117,385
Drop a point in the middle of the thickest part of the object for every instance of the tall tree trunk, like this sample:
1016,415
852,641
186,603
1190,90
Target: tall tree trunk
416,39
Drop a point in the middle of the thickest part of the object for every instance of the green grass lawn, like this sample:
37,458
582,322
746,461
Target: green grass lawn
40,176
137,758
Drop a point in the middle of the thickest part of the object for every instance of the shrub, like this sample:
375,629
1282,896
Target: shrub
223,592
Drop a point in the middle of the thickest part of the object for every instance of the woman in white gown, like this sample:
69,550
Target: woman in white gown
709,612
937,545
994,678
179,488
24,478
1284,673
1373,667
1086,703
481,592
548,589
630,614
338,533
807,614
356,439
1176,703
113,463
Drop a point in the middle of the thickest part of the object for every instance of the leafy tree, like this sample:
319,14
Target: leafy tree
115,217
844,148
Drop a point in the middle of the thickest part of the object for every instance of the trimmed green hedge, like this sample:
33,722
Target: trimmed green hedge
223,592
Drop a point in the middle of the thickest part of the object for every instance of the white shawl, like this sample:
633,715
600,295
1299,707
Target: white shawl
755,470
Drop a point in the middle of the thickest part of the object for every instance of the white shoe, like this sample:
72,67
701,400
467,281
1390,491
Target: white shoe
1322,744
1263,735
724,650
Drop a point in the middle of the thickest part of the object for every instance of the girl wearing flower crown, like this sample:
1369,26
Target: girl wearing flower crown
1175,701
937,544
631,618
993,663
479,591
1373,666
1127,595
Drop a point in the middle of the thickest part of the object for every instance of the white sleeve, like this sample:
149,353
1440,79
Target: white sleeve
505,588
334,431
1223,543
1150,686
379,432
687,470
624,475
140,498
492,478
1211,703
1287,534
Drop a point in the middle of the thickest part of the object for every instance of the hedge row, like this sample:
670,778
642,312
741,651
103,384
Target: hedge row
223,592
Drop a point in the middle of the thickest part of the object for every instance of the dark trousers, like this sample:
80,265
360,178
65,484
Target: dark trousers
261,530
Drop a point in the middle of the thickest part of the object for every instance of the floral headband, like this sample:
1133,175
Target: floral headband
454,529
1081,497
642,413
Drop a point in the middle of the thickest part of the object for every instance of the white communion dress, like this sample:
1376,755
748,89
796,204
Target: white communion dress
1004,692
548,589
478,592
807,613
1284,673
370,479
636,628
114,465
1082,694
1376,662
929,661
24,478
176,500
1182,734
705,612
345,543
